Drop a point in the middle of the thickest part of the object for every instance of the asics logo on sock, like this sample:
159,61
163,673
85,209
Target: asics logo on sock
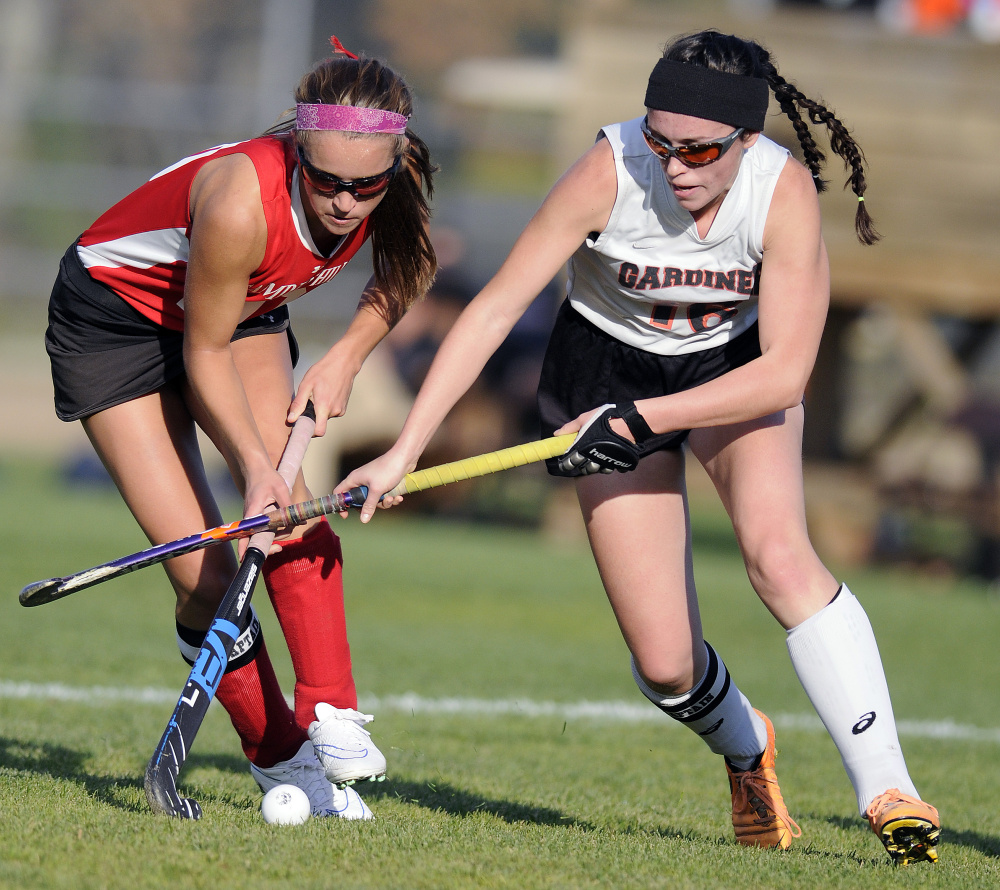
866,721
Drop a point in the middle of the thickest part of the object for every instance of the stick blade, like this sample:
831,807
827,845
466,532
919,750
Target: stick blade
160,784
164,766
41,592
53,589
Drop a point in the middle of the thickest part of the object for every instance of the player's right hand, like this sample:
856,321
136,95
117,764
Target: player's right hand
379,476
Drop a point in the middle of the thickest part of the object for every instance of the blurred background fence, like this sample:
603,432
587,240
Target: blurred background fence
903,429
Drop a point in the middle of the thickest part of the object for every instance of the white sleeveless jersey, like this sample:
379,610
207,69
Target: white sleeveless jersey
648,279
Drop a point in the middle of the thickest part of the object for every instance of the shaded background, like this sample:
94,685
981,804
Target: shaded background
903,429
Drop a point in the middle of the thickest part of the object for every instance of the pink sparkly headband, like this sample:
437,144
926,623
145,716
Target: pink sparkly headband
349,118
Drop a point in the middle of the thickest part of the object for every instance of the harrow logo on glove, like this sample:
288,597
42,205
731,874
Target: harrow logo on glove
598,448
607,459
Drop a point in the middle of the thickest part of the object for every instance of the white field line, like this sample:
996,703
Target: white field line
601,711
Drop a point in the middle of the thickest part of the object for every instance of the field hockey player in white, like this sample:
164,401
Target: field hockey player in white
698,291
170,312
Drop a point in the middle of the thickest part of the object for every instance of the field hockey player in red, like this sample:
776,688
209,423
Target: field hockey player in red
170,313
697,294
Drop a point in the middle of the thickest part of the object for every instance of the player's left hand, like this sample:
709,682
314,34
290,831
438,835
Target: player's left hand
328,384
598,447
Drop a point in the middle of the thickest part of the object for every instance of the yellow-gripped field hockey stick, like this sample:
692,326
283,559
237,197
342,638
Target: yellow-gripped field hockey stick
482,464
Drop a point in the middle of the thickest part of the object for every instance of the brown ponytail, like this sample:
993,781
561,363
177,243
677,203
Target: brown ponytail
403,256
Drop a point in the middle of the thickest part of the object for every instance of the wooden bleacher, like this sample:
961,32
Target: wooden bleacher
926,111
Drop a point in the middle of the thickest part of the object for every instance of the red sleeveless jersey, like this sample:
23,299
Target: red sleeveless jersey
139,248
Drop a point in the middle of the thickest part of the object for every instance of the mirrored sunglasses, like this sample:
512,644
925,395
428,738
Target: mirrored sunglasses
691,155
360,189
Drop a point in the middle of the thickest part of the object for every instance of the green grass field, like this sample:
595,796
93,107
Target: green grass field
475,647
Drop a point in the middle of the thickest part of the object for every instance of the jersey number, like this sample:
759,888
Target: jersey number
700,317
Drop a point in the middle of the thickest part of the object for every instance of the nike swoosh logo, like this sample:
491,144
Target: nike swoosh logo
645,245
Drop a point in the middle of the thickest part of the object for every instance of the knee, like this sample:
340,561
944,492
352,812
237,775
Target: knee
790,579
199,594
775,564
665,673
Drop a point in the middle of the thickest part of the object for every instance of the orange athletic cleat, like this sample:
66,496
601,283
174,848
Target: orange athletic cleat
908,827
760,817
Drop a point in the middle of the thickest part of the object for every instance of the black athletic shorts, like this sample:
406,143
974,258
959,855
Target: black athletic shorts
104,352
584,368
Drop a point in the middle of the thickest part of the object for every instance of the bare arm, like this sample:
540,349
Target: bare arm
579,203
228,239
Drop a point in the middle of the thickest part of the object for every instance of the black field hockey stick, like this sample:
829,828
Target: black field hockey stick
52,589
210,664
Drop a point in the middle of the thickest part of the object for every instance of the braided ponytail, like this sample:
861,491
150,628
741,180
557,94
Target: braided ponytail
790,99
734,55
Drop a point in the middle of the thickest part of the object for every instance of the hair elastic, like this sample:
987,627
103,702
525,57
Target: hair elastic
338,48
349,118
733,99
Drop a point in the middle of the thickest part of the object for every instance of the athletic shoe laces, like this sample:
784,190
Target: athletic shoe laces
313,782
752,793
885,799
307,773
918,809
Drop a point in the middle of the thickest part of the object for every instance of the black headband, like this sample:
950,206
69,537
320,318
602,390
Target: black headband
733,99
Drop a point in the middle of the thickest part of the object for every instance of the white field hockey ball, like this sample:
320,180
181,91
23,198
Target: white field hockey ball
285,805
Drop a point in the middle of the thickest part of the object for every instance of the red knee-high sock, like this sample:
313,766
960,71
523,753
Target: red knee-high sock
305,583
261,716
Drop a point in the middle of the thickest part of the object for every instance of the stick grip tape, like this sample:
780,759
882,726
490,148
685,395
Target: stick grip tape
484,464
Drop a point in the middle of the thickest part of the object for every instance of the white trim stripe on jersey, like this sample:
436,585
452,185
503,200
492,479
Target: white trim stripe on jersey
143,250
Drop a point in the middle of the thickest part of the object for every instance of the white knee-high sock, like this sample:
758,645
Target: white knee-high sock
716,710
836,658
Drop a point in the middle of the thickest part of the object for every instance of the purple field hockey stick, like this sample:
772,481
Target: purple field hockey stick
51,589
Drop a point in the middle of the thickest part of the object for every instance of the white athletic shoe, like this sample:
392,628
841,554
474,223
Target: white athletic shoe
344,746
347,804
305,771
